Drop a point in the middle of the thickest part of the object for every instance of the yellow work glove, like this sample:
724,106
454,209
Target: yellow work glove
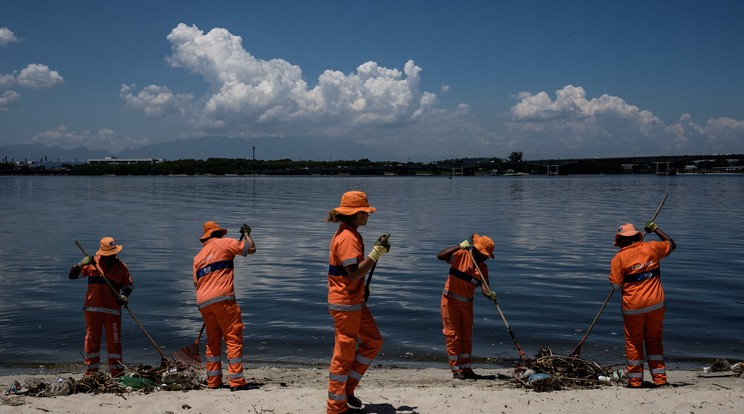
464,245
85,261
381,247
650,227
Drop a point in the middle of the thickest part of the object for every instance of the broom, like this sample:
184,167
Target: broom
189,354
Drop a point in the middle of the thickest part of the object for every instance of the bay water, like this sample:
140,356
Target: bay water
553,240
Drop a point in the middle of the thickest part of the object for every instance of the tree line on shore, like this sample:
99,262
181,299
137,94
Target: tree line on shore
514,164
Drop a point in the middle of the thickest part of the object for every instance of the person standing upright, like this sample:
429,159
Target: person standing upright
215,296
103,303
457,300
636,269
357,339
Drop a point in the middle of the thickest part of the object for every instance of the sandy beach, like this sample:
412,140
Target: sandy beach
400,390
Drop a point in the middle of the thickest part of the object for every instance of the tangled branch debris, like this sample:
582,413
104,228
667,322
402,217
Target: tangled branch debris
171,375
551,372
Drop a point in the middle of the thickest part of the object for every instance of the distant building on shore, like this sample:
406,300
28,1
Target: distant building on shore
115,160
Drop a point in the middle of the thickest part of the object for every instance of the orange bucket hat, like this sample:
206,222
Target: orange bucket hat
210,227
108,247
626,230
484,244
352,202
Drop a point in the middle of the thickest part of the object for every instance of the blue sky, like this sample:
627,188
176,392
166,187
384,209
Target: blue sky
415,79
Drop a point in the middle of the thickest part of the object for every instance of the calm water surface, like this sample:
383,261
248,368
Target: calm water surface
553,247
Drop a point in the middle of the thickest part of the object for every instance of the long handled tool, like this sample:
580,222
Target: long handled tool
189,355
577,351
498,308
116,293
371,272
369,280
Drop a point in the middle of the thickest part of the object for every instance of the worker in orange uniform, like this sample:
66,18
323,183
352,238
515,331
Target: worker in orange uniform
636,270
215,296
103,304
457,300
357,339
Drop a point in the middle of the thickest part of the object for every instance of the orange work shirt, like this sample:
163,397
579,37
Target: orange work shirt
347,248
213,270
100,297
636,269
463,277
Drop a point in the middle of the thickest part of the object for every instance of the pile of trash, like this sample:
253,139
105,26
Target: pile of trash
722,365
169,376
551,372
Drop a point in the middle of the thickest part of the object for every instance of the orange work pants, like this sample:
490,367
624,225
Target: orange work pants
357,343
645,328
223,321
457,327
95,322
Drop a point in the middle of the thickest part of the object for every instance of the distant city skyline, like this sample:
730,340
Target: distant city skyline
415,79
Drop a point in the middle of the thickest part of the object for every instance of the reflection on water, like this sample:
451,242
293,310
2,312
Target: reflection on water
553,246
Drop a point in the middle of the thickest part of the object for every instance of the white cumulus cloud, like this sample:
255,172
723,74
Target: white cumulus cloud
155,101
246,93
572,125
38,76
33,76
7,99
7,37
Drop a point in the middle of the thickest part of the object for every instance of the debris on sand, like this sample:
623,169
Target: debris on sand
552,372
169,376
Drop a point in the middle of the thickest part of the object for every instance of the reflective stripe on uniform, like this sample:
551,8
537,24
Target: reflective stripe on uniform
214,358
656,357
643,310
228,298
102,310
114,356
344,308
337,377
336,397
236,375
635,374
657,371
456,297
235,360
363,360
215,373
357,376
246,248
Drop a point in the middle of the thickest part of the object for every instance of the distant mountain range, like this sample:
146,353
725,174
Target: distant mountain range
294,148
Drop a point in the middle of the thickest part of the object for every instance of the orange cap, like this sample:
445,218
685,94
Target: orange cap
626,230
352,202
108,247
484,244
210,227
